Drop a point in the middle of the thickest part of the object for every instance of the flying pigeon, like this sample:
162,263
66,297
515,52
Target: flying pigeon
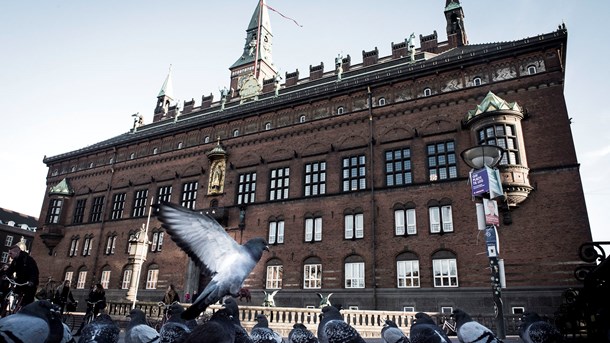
138,331
392,334
261,333
241,335
219,329
300,334
470,331
36,322
211,248
101,330
534,329
333,329
425,330
176,329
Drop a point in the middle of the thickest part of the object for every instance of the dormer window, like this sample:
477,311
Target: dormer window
206,139
235,133
477,81
132,156
179,145
531,69
267,126
302,119
155,151
340,110
427,91
381,102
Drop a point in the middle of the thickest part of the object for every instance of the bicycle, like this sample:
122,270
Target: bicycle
449,328
90,315
11,303
166,314
67,317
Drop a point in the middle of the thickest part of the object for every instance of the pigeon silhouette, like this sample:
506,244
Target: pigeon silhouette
261,333
241,335
211,248
425,330
138,331
176,329
470,331
392,334
534,329
333,329
101,330
300,334
39,321
219,329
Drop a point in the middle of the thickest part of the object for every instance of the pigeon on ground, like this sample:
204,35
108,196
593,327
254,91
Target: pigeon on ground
211,248
176,329
534,329
470,331
392,334
36,322
241,335
425,330
300,334
261,333
138,331
101,330
333,329
219,329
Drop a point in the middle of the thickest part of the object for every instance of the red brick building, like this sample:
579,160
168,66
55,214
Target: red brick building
353,174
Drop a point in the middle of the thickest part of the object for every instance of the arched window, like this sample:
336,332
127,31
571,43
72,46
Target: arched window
276,231
105,276
427,91
302,119
381,102
87,245
152,276
206,139
157,240
407,270
353,224
155,151
127,274
111,244
312,273
275,273
73,246
441,216
477,81
267,126
340,110
531,69
82,278
354,272
405,219
235,133
180,145
444,268
132,155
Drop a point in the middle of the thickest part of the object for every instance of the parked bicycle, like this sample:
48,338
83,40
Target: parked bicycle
11,302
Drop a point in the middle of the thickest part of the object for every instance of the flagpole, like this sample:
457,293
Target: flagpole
142,243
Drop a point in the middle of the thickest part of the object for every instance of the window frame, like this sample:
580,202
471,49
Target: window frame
443,217
354,272
164,193
79,211
313,229
274,276
126,278
276,232
408,281
140,201
312,279
118,205
188,198
97,209
441,162
403,216
445,281
314,178
279,184
398,167
152,277
353,225
54,212
353,172
246,188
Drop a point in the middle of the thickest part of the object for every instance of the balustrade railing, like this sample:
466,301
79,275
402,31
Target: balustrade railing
281,319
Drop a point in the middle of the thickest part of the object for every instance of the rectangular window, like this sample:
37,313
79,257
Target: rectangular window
126,279
354,226
105,278
398,167
246,188
82,279
110,245
313,229
157,241
151,279
517,310
315,178
404,222
139,203
354,275
276,232
312,276
164,194
4,257
79,211
274,277
408,309
118,204
54,211
354,173
9,240
87,246
96,210
189,194
445,272
441,217
502,135
442,162
279,184
407,273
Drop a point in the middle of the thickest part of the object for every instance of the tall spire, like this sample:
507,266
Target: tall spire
166,94
256,58
456,32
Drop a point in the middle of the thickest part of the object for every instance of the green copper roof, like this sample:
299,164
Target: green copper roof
453,5
492,103
218,150
167,89
62,188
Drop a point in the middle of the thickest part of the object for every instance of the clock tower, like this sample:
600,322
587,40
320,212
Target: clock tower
255,63
456,33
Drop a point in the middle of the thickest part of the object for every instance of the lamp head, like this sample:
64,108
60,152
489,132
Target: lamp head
482,155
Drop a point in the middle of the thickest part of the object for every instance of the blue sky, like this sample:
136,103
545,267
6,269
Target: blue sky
73,72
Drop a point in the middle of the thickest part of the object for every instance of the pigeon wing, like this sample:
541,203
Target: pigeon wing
199,235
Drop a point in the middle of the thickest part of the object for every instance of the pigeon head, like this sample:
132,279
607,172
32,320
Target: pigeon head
261,321
104,318
175,309
231,305
330,312
299,326
530,317
137,317
256,246
390,323
460,317
423,318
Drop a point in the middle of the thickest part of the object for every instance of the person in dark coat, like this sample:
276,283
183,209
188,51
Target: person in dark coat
63,296
25,271
96,301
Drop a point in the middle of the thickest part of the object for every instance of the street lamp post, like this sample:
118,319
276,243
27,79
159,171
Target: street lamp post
485,182
138,250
